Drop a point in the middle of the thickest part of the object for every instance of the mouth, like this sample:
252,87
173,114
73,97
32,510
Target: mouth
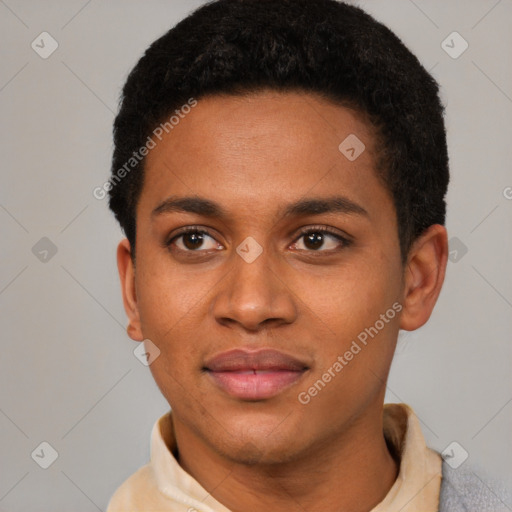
254,375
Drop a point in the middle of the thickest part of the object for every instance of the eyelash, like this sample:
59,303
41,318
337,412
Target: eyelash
345,241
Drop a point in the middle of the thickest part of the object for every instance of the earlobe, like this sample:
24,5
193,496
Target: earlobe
126,270
424,276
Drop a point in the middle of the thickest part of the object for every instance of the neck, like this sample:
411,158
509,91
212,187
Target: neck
353,471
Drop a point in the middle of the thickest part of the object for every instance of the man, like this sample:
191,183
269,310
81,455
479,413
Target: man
280,169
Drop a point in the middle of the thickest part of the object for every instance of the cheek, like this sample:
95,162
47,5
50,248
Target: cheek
354,298
170,307
164,293
358,310
354,358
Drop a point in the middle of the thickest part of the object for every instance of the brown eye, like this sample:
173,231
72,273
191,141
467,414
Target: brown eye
320,240
193,240
314,240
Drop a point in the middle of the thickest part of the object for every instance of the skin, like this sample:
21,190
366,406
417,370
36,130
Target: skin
255,155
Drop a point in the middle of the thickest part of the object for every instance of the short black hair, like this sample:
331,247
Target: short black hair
324,47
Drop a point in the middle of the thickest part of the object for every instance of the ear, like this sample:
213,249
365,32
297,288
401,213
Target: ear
127,276
424,276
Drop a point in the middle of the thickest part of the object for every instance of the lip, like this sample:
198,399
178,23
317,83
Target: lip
254,374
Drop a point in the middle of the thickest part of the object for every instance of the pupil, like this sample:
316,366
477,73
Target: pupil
315,240
195,238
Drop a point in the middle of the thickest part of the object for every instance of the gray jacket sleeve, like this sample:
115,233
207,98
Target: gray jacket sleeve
463,490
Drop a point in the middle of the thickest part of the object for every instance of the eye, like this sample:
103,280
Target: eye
320,239
314,239
191,239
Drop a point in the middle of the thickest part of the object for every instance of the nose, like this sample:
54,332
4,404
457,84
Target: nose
254,296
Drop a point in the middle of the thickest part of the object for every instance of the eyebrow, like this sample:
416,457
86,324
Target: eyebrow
312,206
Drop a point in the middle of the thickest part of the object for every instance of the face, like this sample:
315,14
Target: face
287,255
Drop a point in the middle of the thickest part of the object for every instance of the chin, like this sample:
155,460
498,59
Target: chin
263,440
260,453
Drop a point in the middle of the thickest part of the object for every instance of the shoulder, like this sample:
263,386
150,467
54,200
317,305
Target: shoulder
134,492
464,490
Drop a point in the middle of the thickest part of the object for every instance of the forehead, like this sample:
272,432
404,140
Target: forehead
258,150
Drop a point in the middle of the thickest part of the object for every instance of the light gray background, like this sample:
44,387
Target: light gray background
68,375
